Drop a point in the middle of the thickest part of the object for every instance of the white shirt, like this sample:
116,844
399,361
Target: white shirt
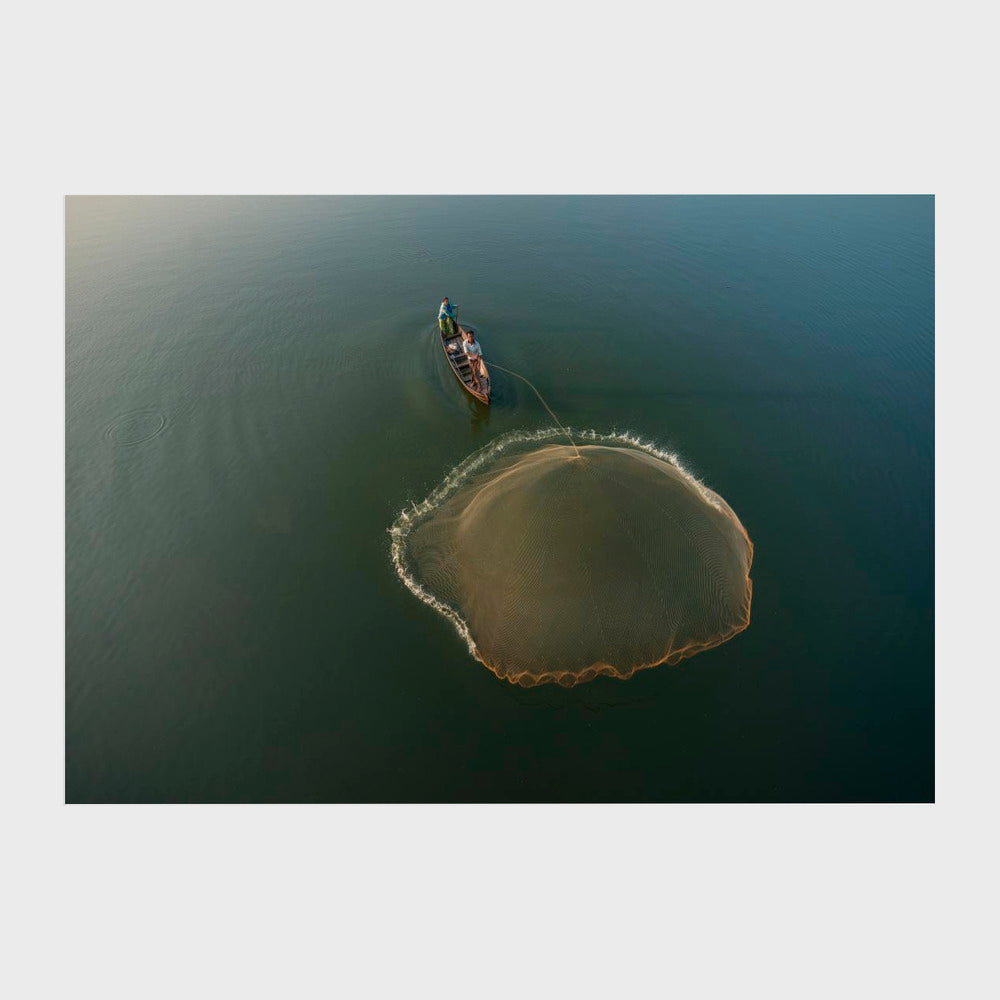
472,348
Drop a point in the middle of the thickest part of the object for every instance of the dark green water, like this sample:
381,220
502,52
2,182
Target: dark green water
254,390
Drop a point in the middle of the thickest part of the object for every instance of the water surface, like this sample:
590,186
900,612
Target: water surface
254,391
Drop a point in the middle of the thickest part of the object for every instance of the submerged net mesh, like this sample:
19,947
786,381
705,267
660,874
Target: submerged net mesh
559,563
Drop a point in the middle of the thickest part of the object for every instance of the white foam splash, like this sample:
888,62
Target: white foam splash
407,520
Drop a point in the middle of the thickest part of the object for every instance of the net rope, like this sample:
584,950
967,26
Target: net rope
541,399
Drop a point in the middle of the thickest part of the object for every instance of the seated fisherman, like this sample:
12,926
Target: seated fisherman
446,316
475,355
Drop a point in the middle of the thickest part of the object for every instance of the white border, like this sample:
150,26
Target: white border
310,98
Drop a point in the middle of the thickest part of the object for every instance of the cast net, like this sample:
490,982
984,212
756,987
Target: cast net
559,562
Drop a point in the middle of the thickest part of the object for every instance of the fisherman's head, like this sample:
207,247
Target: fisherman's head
446,298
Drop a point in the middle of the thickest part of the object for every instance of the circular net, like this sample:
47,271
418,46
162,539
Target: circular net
558,563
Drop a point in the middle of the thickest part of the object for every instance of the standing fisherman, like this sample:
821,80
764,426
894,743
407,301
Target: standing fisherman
446,317
472,350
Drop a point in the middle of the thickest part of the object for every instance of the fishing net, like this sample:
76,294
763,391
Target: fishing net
560,562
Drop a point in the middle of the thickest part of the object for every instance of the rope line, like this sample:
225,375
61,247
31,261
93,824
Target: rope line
541,398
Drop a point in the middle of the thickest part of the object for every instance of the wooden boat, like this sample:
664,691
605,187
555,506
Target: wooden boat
459,363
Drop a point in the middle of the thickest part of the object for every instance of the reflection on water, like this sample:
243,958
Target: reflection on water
479,416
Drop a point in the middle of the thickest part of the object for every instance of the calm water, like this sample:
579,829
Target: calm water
254,390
